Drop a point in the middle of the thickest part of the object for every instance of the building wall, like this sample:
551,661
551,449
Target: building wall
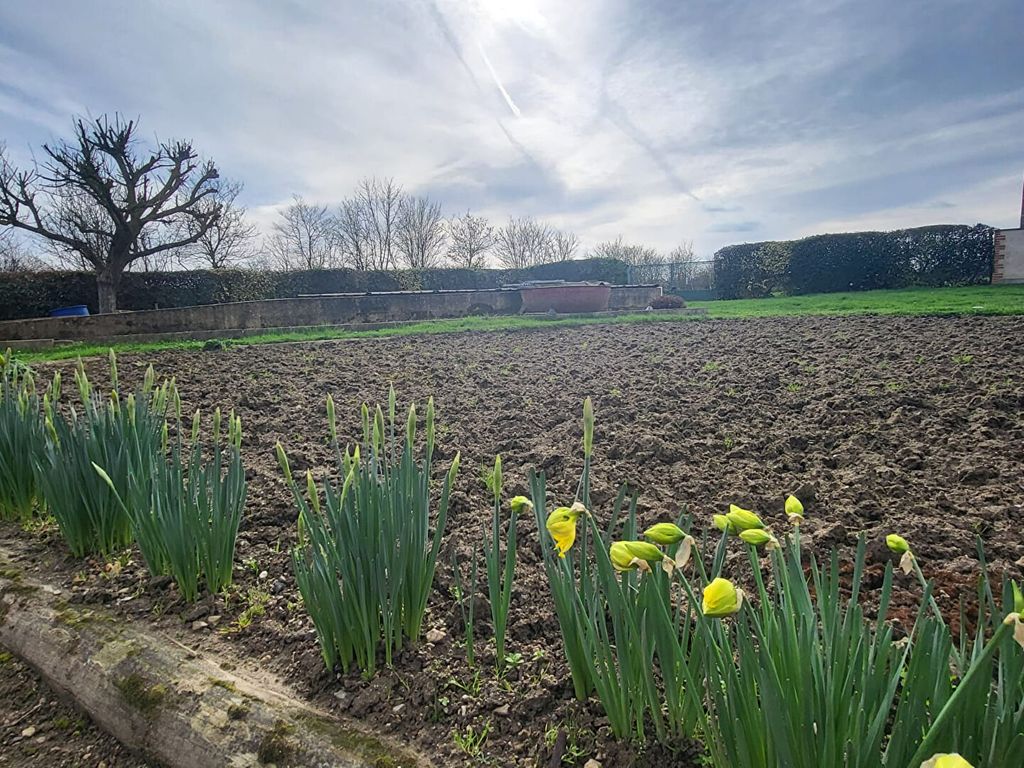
1008,266
250,317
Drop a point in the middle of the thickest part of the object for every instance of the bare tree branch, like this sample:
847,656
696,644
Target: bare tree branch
229,242
421,233
103,201
524,242
305,237
635,255
470,238
564,246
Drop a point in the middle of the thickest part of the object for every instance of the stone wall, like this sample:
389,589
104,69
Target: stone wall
1008,265
249,317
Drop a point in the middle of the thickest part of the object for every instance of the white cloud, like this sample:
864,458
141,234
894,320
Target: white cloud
659,121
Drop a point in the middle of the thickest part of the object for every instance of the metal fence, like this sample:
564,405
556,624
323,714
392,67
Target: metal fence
690,279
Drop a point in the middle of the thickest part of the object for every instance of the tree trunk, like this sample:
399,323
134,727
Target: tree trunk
106,288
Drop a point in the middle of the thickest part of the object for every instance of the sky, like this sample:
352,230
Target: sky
658,121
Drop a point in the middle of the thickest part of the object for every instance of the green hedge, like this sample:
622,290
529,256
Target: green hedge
943,255
34,294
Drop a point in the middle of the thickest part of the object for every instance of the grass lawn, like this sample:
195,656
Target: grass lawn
974,300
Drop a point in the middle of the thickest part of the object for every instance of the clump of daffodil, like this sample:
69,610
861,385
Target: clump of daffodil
946,760
721,598
794,509
519,503
760,537
634,555
742,519
899,545
561,524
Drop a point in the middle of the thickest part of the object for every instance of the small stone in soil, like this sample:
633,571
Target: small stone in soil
264,575
436,635
213,620
197,625
29,732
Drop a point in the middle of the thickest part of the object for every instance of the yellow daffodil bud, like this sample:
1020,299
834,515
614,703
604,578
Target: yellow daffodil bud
588,427
759,537
519,503
561,525
1016,618
946,760
897,543
282,459
621,557
721,522
665,534
721,598
629,555
742,519
794,509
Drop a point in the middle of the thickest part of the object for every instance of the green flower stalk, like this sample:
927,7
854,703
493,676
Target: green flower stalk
500,573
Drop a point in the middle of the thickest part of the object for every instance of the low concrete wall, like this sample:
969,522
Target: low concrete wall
208,320
1008,266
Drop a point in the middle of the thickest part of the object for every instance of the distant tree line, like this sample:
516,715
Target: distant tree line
106,202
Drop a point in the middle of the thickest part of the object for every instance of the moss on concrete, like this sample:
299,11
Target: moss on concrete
227,685
348,739
276,747
141,695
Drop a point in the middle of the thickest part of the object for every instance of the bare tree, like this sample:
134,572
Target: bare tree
369,224
14,257
683,253
305,237
229,242
421,234
108,204
352,234
469,239
634,255
564,246
524,242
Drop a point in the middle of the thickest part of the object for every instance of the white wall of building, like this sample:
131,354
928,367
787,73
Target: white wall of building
1010,257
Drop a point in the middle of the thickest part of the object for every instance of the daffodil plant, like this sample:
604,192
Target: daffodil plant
501,571
366,555
22,440
121,435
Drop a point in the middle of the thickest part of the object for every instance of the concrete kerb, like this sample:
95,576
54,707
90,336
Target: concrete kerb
166,701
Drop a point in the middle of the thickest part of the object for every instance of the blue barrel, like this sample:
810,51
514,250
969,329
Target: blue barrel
78,310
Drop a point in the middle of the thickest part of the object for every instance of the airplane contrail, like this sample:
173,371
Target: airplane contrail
497,82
